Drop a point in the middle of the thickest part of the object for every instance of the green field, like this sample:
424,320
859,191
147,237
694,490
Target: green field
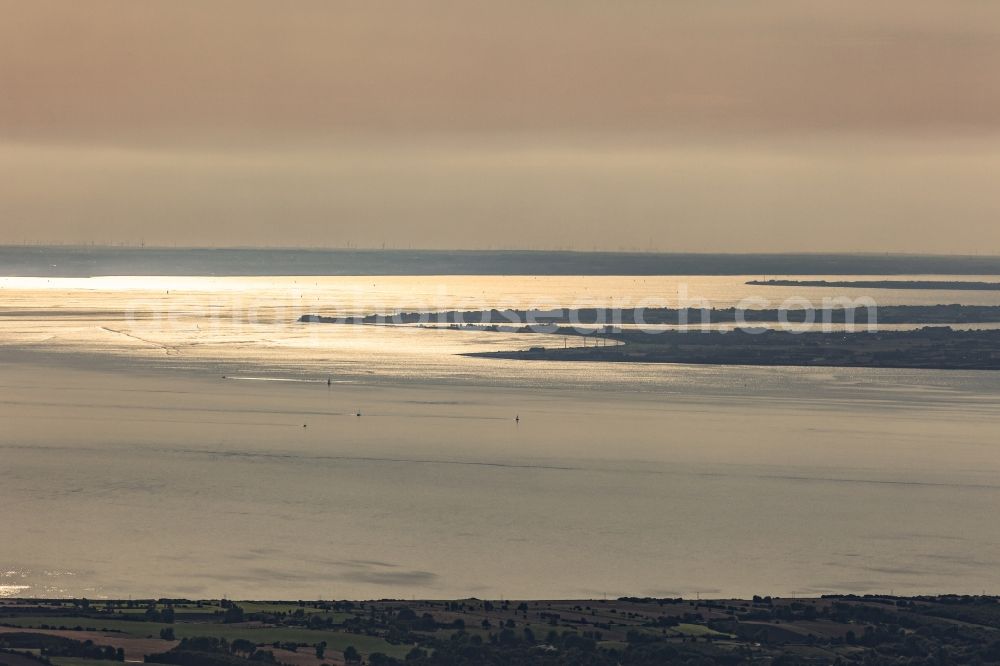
699,630
135,629
76,661
335,640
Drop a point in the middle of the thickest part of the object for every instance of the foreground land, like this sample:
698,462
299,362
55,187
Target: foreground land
827,630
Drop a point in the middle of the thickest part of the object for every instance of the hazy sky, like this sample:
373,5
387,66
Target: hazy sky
667,124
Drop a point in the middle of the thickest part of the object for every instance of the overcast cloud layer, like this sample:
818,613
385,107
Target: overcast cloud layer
677,125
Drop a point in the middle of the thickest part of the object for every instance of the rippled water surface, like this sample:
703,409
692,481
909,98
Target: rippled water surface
186,436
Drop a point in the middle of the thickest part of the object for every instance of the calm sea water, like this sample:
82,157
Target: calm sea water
153,442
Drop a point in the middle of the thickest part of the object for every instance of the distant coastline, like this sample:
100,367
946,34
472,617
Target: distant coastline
89,261
883,284
941,314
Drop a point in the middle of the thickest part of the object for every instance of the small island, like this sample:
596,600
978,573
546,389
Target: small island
938,348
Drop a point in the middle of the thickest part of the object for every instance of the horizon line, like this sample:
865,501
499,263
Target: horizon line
470,250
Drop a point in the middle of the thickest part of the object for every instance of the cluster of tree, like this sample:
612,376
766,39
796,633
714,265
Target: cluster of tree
397,625
25,654
232,613
510,647
153,614
210,651
58,646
